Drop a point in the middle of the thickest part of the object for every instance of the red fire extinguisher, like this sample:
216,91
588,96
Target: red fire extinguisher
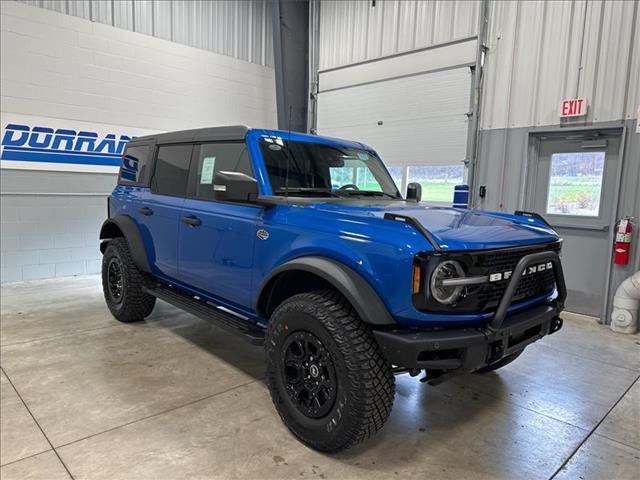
622,246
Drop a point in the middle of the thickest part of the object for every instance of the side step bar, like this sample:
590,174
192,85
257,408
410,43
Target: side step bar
210,313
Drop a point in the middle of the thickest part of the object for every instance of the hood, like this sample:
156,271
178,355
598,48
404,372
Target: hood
453,228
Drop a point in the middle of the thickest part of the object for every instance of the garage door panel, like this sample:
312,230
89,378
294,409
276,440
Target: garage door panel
445,143
413,97
423,117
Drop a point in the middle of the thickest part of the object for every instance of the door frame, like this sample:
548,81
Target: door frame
531,168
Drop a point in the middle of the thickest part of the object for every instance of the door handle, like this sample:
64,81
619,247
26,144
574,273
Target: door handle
191,220
145,211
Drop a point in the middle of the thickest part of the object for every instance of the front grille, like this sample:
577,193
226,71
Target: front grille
505,260
486,297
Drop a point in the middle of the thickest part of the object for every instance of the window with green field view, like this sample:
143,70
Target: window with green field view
354,172
437,181
396,174
575,183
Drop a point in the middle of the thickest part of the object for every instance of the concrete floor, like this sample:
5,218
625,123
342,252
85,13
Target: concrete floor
88,397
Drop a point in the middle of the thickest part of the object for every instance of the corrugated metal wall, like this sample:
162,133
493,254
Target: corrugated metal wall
543,52
540,52
353,31
237,28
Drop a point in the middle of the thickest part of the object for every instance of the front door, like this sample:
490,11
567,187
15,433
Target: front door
572,183
216,239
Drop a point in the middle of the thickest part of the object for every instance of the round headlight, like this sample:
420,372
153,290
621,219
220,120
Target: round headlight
446,294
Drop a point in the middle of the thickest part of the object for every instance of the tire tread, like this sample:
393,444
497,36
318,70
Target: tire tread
137,304
368,371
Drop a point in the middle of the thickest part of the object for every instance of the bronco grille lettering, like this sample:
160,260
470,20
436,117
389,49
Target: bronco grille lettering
497,277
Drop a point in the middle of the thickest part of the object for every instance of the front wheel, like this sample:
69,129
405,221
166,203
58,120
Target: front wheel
123,284
327,376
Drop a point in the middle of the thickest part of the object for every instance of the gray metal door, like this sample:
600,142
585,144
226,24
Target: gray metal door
573,182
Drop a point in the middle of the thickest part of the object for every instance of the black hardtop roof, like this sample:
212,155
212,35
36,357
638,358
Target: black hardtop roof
210,134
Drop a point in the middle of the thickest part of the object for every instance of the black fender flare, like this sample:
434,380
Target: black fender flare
348,282
131,234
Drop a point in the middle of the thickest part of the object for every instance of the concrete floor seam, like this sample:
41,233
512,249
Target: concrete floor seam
55,337
138,420
36,422
510,402
31,455
616,441
80,332
593,430
584,357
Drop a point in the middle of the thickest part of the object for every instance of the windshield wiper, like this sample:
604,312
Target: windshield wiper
306,190
372,193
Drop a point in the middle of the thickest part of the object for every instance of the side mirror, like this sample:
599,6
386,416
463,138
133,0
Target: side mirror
235,187
414,192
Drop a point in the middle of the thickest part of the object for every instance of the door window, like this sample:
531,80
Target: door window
437,181
134,165
218,157
575,183
172,170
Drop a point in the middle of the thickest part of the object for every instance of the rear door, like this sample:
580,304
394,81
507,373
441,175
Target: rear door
217,238
160,208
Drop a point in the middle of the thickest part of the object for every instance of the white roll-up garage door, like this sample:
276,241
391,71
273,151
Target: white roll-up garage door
418,124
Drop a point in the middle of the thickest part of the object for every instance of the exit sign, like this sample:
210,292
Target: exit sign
575,107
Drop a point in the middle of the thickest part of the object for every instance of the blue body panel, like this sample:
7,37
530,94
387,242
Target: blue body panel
224,260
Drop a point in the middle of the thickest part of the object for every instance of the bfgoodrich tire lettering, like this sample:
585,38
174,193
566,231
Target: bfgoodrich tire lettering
122,284
365,389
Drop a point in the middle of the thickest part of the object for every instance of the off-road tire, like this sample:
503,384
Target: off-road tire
134,304
365,382
503,362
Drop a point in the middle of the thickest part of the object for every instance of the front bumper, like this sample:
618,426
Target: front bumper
467,349
459,350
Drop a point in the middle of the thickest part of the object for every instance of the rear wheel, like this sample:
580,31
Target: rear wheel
123,282
328,379
500,363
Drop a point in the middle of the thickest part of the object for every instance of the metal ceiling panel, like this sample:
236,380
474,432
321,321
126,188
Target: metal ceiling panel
354,31
101,11
123,14
237,28
143,16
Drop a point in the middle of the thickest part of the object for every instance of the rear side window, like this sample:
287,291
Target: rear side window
172,170
135,165
218,157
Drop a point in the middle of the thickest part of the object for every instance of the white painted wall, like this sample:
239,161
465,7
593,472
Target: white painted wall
75,73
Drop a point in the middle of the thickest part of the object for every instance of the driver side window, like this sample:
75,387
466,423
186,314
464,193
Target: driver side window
215,157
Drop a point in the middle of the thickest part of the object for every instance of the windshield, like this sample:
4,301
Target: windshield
324,170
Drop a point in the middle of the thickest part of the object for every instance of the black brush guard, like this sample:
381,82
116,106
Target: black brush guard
460,350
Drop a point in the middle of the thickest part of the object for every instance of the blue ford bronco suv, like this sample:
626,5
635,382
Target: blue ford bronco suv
304,244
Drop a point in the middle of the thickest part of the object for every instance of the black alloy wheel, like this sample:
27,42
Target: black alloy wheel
123,284
309,374
114,279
